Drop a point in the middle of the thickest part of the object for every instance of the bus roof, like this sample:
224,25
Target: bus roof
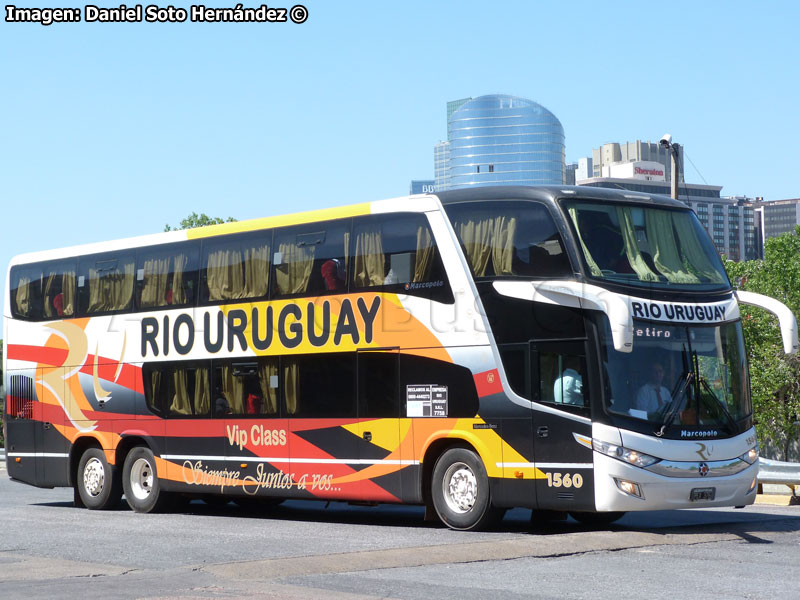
550,193
417,203
405,204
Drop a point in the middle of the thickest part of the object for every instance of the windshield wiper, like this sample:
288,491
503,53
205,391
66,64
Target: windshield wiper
678,393
725,412
686,378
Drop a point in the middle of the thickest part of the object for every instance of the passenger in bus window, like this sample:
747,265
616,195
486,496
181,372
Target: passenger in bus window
653,396
221,404
568,388
333,274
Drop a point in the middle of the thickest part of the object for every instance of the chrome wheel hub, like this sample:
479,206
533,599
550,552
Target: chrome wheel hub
141,479
460,488
94,477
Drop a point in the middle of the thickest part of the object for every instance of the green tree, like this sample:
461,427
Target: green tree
774,376
201,220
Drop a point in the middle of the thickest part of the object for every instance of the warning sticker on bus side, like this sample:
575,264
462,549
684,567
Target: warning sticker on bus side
426,400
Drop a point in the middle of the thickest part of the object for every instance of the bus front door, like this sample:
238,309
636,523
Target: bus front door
562,429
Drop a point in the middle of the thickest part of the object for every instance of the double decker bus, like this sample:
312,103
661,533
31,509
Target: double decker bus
576,350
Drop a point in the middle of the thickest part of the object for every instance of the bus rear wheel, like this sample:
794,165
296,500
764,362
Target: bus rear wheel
460,490
140,480
97,483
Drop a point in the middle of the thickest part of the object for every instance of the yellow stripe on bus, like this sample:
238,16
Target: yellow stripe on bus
325,214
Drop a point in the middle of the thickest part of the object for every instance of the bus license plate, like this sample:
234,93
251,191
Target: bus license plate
699,494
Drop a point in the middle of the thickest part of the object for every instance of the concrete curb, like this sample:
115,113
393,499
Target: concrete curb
778,499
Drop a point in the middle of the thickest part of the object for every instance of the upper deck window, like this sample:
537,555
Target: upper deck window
397,253
167,277
105,283
236,267
311,259
43,291
650,246
514,238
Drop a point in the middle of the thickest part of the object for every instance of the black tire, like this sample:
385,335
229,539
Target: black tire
97,482
460,491
140,481
596,519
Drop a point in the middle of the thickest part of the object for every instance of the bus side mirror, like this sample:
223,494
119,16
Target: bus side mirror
786,319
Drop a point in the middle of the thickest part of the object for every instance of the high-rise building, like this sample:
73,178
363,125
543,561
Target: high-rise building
780,216
584,170
614,153
452,107
569,173
441,165
499,140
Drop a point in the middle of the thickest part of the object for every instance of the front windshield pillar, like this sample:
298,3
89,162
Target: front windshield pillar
577,295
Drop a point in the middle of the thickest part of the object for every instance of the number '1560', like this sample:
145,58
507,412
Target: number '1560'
564,480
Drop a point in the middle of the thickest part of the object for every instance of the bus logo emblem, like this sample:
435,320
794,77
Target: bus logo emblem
703,469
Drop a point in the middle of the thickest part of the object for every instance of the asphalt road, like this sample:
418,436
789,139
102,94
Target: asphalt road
48,549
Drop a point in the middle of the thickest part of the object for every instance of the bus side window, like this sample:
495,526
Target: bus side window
167,277
237,267
178,391
378,385
511,238
105,283
246,388
319,386
154,398
58,290
312,259
562,379
26,293
515,362
397,253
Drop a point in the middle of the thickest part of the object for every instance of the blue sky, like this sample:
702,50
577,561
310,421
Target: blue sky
113,130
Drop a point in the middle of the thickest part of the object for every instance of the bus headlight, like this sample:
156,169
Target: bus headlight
629,487
637,459
751,455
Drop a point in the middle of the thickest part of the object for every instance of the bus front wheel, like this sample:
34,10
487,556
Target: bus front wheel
98,485
140,480
460,490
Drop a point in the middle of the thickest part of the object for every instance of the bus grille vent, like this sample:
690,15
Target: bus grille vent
20,397
566,496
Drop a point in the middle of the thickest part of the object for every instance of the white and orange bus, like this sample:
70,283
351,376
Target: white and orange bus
576,350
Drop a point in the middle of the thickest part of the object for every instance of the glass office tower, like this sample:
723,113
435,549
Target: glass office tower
504,140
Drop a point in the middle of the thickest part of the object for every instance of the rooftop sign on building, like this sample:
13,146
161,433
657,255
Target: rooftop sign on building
643,169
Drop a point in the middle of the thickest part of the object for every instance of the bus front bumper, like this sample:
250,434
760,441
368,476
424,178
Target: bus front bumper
623,487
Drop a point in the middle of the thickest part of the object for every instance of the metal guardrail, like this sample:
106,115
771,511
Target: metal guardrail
779,472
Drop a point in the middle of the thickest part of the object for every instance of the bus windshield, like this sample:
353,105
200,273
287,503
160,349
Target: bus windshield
680,375
646,246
